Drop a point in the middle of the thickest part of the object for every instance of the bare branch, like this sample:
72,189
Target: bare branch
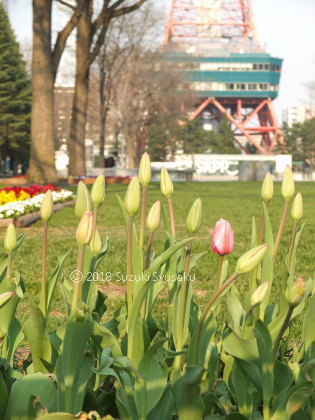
100,18
63,35
66,4
124,10
100,40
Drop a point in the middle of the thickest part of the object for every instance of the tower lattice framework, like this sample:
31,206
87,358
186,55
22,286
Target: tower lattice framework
216,28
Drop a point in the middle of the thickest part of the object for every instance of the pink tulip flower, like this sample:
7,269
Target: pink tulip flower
223,238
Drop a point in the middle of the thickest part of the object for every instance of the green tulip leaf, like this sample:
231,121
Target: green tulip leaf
164,408
155,373
35,330
186,392
52,281
264,344
22,391
245,349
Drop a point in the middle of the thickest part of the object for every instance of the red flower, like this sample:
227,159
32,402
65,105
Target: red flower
32,190
223,238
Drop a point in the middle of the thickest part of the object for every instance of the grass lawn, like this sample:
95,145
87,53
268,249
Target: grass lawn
235,202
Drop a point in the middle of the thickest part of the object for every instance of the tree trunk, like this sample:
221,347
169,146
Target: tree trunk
131,152
76,142
42,157
102,137
103,112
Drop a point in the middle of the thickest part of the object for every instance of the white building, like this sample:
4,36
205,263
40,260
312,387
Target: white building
298,114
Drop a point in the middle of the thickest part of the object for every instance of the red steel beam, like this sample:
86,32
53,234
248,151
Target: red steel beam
255,111
199,110
238,125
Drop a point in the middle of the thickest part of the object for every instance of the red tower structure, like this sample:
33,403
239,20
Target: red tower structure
214,42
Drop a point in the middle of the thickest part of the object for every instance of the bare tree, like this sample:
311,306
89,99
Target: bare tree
45,62
146,86
90,37
122,37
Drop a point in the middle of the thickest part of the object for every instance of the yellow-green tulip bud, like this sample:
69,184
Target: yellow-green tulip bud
98,191
154,216
47,207
295,293
287,186
267,188
248,261
96,244
82,202
145,170
85,229
10,240
166,183
259,294
132,197
297,208
193,221
5,297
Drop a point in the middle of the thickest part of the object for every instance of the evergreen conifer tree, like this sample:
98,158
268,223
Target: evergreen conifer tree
15,97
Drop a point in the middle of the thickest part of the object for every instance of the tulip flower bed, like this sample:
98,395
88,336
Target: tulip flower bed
28,200
11,194
186,364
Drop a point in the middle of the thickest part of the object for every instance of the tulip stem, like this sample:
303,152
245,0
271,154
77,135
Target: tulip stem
280,230
77,288
219,271
94,223
146,266
281,332
171,210
129,263
250,310
204,314
292,245
143,215
147,257
9,266
43,294
261,228
266,410
182,305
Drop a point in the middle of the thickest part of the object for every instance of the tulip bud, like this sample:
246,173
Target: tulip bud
82,202
222,238
154,216
98,191
85,229
166,183
10,240
248,261
4,297
295,293
297,208
144,173
132,197
96,244
287,186
267,188
193,221
259,294
47,207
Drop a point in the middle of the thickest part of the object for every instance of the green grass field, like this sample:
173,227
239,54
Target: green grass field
235,202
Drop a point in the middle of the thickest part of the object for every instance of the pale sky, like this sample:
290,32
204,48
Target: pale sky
284,27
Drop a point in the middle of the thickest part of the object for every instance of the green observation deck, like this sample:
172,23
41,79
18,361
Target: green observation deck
234,75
